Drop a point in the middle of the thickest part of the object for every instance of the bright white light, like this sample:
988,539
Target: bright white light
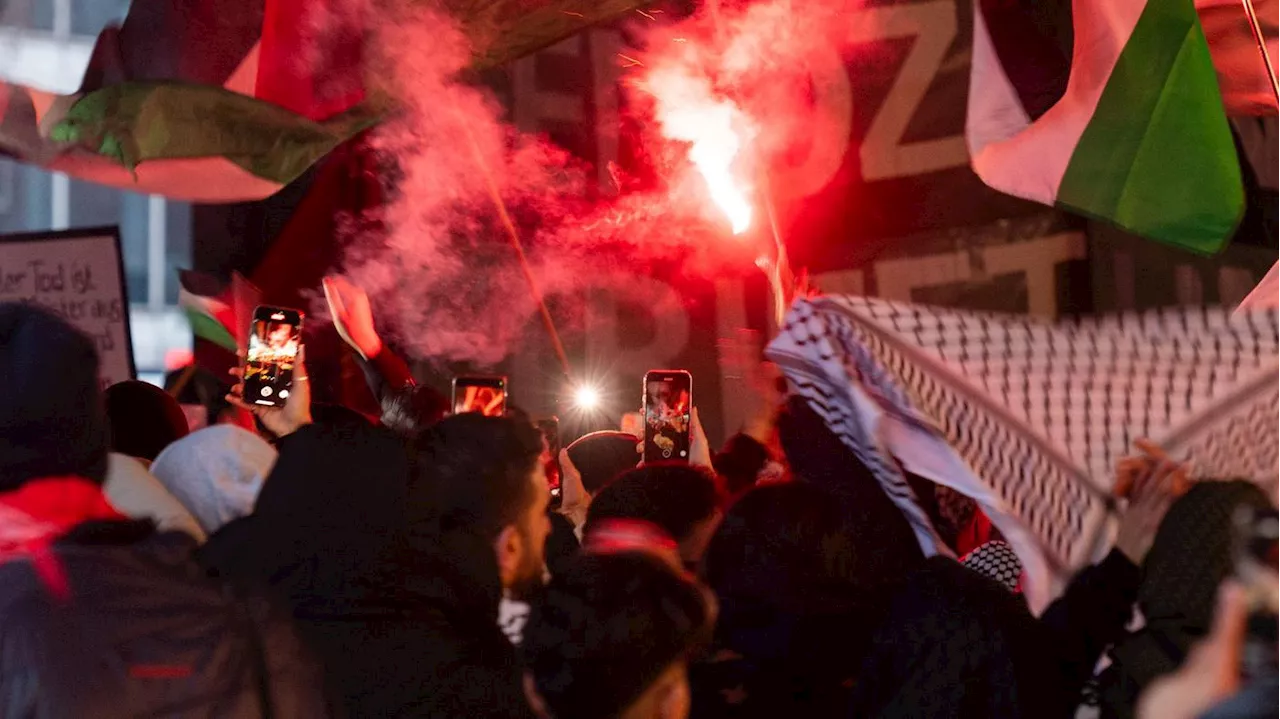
586,397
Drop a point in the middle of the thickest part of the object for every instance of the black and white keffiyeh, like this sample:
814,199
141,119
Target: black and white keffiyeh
1028,417
997,561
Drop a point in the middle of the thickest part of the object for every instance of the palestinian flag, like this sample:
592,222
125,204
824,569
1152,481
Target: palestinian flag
219,313
1106,108
229,100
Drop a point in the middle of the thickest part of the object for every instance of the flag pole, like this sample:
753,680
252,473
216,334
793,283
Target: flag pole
514,236
1262,46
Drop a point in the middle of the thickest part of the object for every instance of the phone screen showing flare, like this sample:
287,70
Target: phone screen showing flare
275,336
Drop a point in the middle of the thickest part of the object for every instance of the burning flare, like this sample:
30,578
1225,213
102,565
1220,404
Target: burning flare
688,110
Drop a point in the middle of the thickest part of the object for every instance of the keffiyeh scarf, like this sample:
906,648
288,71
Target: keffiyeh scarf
1027,417
998,562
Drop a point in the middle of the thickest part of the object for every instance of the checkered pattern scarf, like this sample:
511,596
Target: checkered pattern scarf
998,562
1028,418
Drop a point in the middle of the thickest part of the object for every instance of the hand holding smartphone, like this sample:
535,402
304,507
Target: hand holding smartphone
275,336
668,415
272,383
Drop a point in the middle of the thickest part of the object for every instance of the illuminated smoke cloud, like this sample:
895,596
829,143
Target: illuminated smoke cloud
442,276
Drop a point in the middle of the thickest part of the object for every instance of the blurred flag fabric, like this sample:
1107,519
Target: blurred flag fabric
1107,108
1028,418
230,100
219,312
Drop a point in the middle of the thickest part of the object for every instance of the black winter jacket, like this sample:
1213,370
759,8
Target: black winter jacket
403,616
144,633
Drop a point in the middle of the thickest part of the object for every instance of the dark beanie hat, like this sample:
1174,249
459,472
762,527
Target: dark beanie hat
144,419
601,457
51,415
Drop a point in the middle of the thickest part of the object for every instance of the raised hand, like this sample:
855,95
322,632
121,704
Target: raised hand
352,316
1151,483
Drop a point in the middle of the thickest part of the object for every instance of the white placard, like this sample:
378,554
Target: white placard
77,274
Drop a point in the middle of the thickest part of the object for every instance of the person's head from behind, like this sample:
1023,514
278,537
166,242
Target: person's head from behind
740,462
611,637
1193,552
144,419
484,476
601,457
52,419
681,500
788,548
216,473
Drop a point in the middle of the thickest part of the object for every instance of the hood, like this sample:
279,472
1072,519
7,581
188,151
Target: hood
335,532
138,494
1192,553
216,472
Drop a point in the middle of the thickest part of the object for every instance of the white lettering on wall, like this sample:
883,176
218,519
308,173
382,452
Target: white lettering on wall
883,152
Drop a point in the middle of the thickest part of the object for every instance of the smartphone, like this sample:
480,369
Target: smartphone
550,428
486,395
668,413
275,335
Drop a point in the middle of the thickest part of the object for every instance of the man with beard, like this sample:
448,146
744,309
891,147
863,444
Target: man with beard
394,563
484,486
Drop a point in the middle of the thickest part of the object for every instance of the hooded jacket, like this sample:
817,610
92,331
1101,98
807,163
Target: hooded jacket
403,616
101,617
951,642
216,472
139,495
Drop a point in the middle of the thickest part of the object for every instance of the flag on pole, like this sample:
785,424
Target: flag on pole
218,312
229,100
1126,126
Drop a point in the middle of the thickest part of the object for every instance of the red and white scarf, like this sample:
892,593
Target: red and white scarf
36,514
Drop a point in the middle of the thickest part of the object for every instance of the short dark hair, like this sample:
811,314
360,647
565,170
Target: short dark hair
472,472
606,628
675,497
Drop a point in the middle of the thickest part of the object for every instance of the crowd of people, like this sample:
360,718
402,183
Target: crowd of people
313,562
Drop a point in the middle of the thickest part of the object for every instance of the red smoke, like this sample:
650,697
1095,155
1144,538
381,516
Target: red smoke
716,98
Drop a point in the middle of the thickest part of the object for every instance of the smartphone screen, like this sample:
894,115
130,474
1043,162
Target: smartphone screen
668,407
275,334
486,395
550,428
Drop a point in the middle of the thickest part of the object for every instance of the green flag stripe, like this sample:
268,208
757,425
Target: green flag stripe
206,327
138,121
1160,115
